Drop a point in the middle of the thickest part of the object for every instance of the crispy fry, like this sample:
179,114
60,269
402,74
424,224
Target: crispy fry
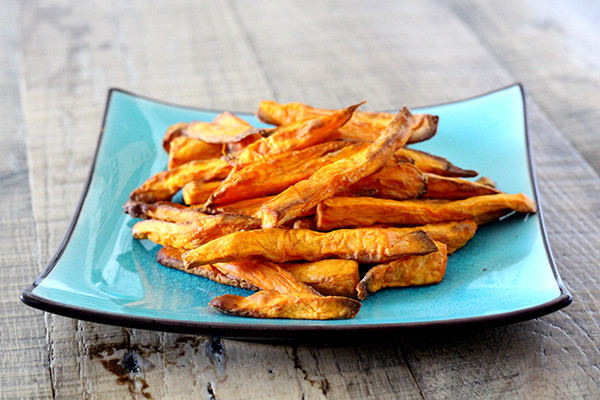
271,304
326,181
275,174
363,125
250,207
436,165
340,212
442,187
367,245
165,184
171,257
401,181
265,275
162,210
225,128
190,235
295,136
454,234
407,271
329,277
197,192
184,149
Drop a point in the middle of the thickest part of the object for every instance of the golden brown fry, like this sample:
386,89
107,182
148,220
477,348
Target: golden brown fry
367,245
329,277
171,257
454,234
265,275
326,181
271,304
296,136
190,235
363,125
407,271
197,192
401,181
340,212
274,174
162,186
184,149
162,210
436,165
442,187
250,207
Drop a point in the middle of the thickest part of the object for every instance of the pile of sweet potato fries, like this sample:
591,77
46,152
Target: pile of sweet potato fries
296,211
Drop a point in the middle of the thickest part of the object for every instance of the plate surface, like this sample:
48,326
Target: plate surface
100,273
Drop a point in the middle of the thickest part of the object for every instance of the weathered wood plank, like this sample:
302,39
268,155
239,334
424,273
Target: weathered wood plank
24,371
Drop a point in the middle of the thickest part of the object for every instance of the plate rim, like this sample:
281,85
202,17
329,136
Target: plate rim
285,332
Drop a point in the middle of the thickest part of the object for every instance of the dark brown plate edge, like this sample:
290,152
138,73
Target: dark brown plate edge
297,332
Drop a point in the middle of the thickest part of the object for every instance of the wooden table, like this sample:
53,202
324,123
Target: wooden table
57,60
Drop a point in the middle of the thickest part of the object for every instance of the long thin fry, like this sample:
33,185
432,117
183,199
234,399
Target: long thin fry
265,275
190,235
271,304
340,212
295,136
281,245
442,187
171,257
407,271
163,185
454,234
363,125
162,210
434,164
325,182
273,175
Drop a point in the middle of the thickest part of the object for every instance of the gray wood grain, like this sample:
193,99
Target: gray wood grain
230,55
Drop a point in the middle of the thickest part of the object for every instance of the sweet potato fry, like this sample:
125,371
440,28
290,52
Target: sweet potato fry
274,174
250,207
326,181
363,125
401,181
407,271
436,165
225,128
174,131
184,149
295,136
443,187
367,245
485,181
454,234
271,304
165,184
340,212
162,210
329,277
171,257
265,275
190,235
197,192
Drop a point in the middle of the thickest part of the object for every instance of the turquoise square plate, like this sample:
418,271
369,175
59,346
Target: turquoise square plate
100,273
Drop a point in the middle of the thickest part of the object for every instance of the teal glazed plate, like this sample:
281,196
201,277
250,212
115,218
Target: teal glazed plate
505,274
